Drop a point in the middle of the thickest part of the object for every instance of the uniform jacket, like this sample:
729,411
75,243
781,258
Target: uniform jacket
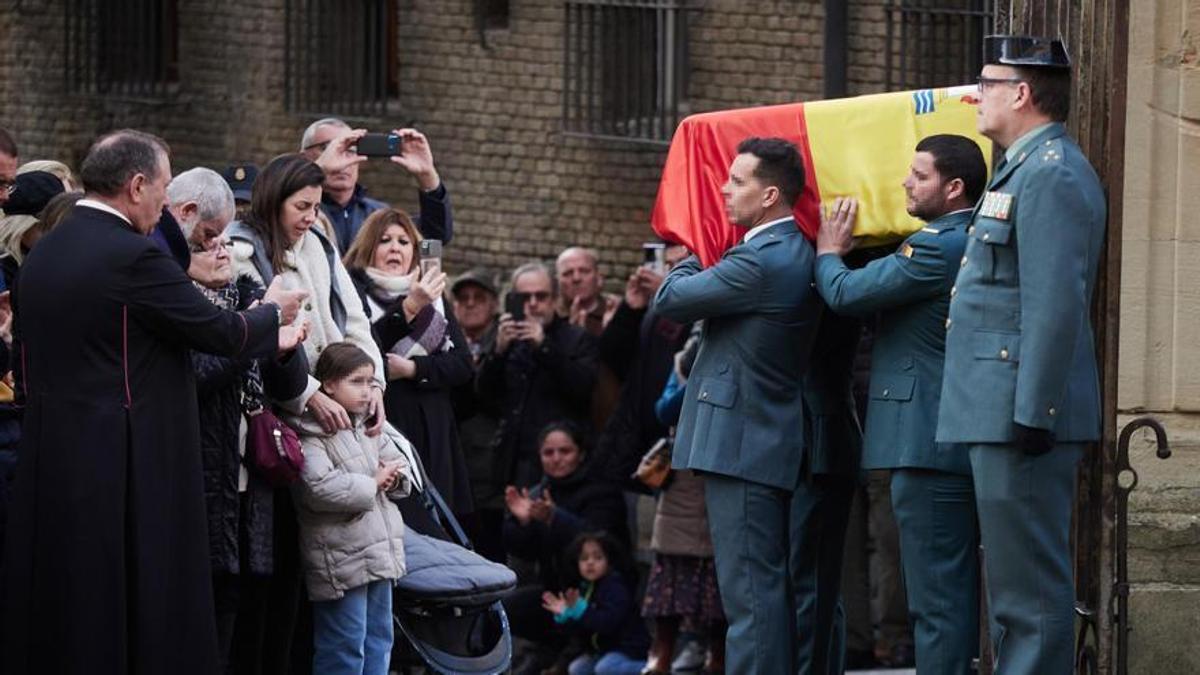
908,293
107,564
743,414
350,533
1019,342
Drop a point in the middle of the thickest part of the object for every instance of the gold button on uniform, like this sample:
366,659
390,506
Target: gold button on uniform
947,324
964,262
953,290
885,393
1003,354
1052,411
985,236
971,230
704,394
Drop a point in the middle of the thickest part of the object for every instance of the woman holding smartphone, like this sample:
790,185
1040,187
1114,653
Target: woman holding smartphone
278,239
426,353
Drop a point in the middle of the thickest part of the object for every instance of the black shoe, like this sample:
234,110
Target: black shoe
902,656
860,659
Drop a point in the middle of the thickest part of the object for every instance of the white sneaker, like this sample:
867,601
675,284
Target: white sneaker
690,658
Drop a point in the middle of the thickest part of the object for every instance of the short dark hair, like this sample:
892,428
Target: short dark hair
115,158
7,145
1051,90
283,177
959,157
339,360
576,432
779,164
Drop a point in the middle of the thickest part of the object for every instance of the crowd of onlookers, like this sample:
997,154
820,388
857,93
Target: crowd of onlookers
530,397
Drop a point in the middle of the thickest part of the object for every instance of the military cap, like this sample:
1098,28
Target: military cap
241,179
1024,51
474,276
34,189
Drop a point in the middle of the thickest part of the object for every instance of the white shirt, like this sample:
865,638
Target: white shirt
759,228
101,206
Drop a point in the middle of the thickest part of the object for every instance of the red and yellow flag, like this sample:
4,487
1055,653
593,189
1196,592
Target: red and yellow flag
859,147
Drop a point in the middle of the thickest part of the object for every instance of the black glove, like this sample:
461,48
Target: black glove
1031,440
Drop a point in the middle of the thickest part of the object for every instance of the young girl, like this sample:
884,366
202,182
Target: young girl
602,610
351,535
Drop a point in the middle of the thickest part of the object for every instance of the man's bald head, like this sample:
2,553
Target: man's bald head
115,158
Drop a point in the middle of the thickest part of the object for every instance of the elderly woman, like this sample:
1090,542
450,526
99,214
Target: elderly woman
426,351
278,240
241,505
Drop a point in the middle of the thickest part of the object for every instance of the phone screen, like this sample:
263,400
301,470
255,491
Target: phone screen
654,256
431,256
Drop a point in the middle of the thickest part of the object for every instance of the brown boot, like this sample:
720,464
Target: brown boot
663,647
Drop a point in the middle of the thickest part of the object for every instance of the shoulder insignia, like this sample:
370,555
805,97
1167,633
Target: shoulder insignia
906,250
1051,155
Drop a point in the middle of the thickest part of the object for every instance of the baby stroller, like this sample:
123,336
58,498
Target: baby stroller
448,603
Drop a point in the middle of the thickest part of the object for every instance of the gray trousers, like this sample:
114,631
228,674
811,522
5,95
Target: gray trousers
778,555
1024,506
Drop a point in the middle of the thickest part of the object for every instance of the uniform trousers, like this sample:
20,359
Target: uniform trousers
939,540
1024,504
778,555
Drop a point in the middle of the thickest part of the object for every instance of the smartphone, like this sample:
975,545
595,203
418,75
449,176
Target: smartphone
431,256
654,256
379,145
514,304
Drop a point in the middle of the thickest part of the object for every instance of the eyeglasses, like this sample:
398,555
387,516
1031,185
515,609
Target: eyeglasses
319,147
986,82
211,247
539,296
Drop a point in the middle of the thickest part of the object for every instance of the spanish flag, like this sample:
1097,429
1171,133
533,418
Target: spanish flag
859,147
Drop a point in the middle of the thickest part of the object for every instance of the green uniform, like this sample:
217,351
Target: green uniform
1019,349
908,294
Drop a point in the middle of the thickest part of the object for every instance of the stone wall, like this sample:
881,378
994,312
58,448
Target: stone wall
1160,319
520,187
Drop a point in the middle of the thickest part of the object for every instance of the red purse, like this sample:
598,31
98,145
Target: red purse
273,448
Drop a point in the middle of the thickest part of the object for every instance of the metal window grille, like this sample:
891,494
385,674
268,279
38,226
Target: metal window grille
625,68
936,43
340,57
121,47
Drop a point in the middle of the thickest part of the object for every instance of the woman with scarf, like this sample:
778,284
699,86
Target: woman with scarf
425,351
243,509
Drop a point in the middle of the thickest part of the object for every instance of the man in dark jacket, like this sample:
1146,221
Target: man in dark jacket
344,202
107,567
543,370
639,347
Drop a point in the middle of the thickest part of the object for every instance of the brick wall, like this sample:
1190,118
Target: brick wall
520,188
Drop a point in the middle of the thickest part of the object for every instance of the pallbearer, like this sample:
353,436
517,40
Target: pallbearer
1020,387
909,292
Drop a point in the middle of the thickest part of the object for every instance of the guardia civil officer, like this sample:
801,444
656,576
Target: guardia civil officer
1020,385
909,294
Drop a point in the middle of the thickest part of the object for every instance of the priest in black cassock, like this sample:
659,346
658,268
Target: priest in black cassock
106,567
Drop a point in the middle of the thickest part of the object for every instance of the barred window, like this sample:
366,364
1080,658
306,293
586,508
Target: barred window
341,57
625,68
121,47
936,43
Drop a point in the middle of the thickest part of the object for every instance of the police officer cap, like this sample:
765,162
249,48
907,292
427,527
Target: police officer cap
1024,50
241,180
